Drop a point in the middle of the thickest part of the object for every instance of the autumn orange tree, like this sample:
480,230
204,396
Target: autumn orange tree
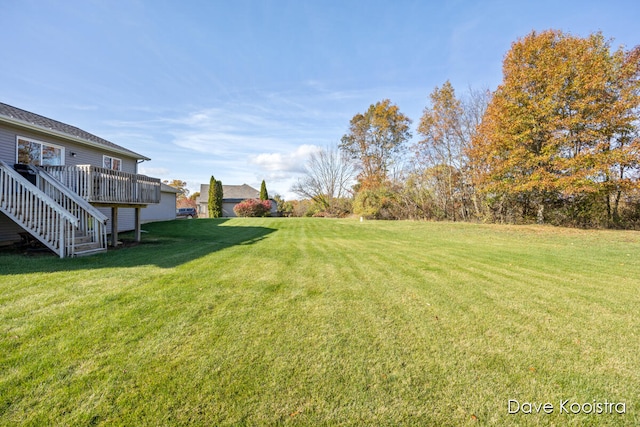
562,126
181,186
374,139
183,198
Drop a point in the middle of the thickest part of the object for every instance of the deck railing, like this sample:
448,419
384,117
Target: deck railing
106,186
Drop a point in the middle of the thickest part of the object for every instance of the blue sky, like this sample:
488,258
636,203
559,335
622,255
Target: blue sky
245,90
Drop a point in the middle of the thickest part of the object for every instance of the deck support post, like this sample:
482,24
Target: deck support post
114,226
138,233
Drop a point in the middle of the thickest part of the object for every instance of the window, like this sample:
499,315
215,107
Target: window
112,163
32,152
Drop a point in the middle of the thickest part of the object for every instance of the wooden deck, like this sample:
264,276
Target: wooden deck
106,187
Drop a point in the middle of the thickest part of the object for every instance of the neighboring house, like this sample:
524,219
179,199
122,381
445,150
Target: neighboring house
231,196
68,188
166,209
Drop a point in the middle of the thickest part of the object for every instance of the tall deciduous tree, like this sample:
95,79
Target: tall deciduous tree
442,166
374,139
562,124
442,144
329,175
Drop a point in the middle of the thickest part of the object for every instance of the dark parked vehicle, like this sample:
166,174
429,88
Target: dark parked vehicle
186,213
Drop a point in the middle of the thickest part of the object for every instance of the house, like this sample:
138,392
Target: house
65,187
231,196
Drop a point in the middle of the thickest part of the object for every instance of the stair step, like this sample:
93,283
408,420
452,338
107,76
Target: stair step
79,239
86,246
90,252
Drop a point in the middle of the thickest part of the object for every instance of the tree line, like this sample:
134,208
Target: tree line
557,142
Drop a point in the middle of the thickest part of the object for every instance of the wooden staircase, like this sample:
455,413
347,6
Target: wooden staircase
52,213
84,245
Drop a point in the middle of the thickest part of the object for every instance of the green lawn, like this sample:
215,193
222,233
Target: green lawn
324,322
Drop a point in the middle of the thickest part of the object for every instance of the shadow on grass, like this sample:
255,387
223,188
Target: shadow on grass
164,244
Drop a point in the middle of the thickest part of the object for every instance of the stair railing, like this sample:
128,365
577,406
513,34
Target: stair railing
37,213
92,222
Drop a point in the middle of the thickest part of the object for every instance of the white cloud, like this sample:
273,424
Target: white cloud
281,164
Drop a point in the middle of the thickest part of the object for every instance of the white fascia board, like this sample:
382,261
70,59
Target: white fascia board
72,138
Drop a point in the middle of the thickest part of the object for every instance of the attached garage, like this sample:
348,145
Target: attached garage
163,211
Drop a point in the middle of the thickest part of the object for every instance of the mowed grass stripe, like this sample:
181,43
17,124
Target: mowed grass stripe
322,322
529,282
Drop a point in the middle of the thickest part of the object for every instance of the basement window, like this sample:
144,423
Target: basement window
38,153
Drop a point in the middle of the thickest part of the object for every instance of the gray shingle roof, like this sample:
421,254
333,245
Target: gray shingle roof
243,192
61,129
231,192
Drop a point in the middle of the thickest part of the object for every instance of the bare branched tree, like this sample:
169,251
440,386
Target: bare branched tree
474,106
329,175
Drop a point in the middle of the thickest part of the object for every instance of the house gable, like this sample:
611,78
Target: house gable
74,152
38,124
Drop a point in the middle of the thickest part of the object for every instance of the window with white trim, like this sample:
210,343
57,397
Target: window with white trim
112,163
33,152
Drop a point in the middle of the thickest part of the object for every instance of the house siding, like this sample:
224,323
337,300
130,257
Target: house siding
203,209
126,218
163,211
8,229
7,145
227,209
